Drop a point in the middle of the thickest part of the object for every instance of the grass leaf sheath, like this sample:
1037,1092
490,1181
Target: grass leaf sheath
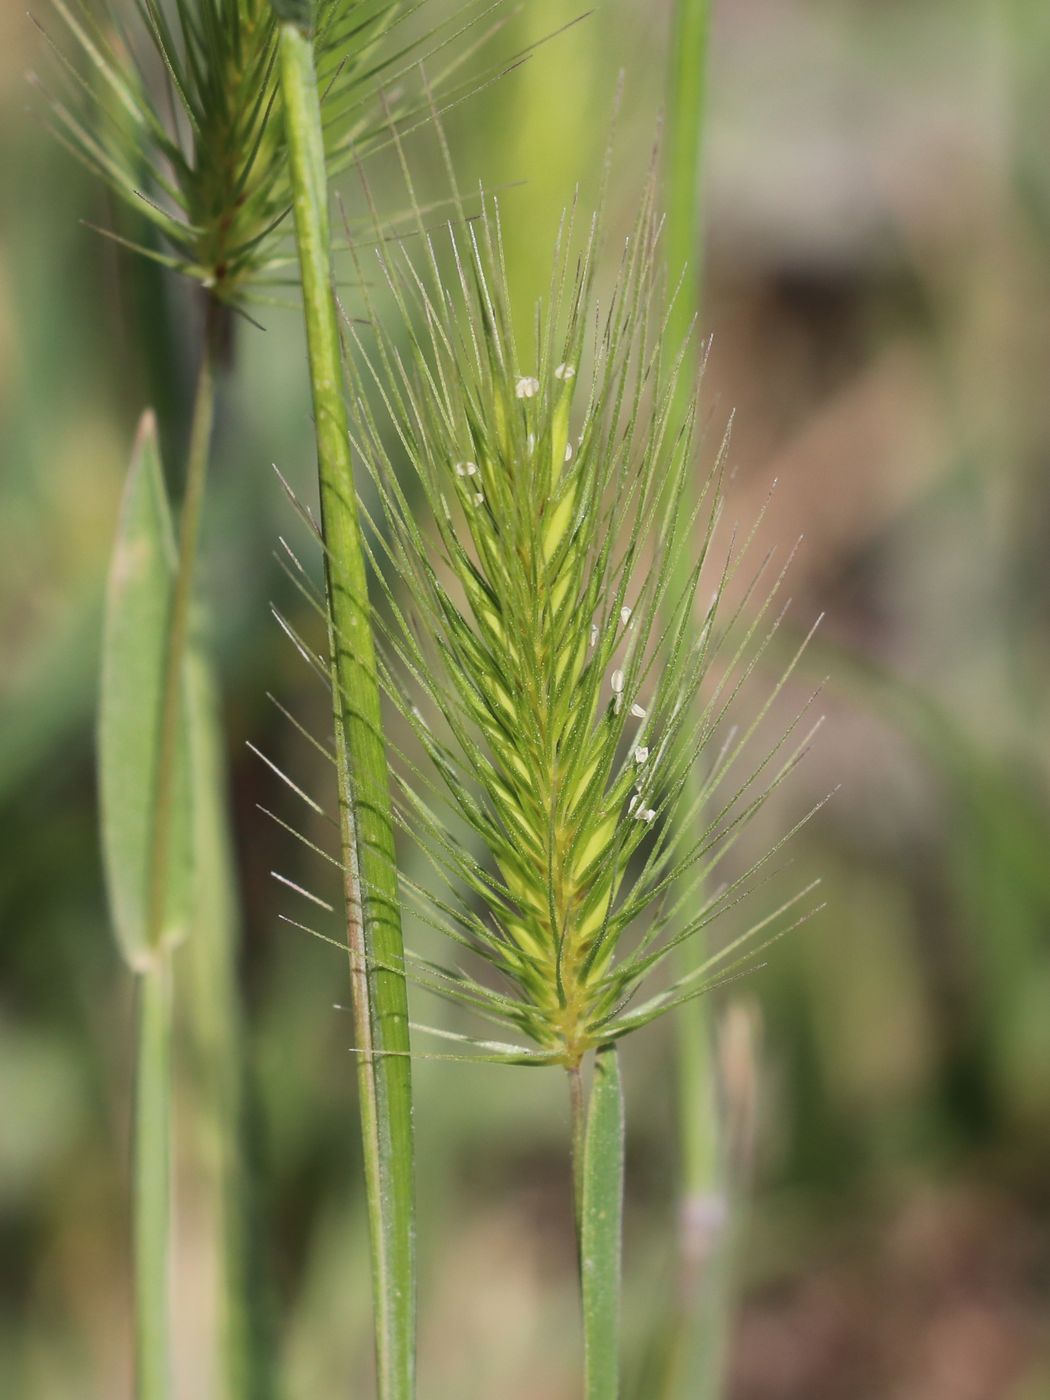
370,879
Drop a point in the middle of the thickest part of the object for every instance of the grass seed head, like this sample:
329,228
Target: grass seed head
548,630
179,111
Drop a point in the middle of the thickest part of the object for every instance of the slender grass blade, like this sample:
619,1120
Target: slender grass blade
371,880
138,606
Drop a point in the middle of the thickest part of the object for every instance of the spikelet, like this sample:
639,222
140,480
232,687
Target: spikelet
179,112
548,669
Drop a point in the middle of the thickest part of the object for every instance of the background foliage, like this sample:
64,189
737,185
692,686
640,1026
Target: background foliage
878,285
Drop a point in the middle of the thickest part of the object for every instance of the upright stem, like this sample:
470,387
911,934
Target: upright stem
688,68
600,1224
152,1207
173,697
693,1364
211,1014
371,886
578,1112
690,33
152,1183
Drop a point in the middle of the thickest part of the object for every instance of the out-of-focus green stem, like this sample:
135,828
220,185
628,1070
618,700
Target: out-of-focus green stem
369,862
152,1183
210,1009
173,696
152,1208
693,1364
690,30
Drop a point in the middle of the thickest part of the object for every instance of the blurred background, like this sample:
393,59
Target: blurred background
877,283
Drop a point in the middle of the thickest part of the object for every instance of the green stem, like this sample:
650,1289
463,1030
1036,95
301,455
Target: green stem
152,1183
688,65
690,33
600,1215
369,860
153,1089
212,1015
578,1114
694,1357
173,696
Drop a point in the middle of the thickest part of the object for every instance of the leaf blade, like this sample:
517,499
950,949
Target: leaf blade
139,594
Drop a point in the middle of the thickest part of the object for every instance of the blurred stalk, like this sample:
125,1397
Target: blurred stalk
369,863
153,1093
152,1207
173,694
220,1088
152,1183
687,82
175,741
544,143
695,1347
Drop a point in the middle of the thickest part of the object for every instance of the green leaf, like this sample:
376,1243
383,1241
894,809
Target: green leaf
135,645
371,891
601,1228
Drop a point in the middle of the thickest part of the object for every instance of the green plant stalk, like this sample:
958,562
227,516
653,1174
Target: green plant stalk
693,1366
599,1213
179,620
578,1120
690,34
152,1207
689,42
152,1183
210,1010
369,860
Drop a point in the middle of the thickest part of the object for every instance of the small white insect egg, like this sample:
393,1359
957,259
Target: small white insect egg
472,468
479,499
527,387
638,712
616,681
641,754
568,451
625,616
649,814
460,468
634,801
565,372
594,634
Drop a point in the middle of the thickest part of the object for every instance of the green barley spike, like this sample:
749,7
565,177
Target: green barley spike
200,154
548,668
